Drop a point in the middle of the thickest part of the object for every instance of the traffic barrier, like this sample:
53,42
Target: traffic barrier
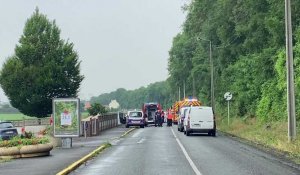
31,122
93,125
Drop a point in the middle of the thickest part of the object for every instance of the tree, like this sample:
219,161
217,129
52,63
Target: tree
43,67
96,108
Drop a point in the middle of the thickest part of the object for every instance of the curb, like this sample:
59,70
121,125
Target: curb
79,162
127,132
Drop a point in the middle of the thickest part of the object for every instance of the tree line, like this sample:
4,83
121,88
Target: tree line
134,99
248,43
248,51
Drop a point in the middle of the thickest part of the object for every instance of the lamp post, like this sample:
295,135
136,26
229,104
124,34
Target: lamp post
290,74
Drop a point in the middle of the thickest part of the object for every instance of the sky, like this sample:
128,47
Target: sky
120,43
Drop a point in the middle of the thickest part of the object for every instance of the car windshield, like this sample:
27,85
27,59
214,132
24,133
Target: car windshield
6,125
135,114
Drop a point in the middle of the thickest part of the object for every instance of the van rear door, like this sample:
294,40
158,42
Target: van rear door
202,118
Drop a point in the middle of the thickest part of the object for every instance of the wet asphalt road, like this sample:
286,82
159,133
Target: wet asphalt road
157,151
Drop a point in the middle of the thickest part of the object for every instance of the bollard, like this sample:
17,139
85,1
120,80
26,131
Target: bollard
85,129
66,142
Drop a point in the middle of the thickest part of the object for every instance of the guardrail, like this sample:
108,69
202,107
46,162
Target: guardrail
31,122
93,125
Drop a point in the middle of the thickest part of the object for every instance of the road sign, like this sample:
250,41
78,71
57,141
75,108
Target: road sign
228,96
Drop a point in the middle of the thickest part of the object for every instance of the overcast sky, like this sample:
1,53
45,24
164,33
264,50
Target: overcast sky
121,43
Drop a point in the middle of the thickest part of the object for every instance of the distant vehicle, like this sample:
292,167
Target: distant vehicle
150,109
135,118
186,102
182,113
122,117
7,130
200,119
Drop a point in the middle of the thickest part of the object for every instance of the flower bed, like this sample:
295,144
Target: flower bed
19,147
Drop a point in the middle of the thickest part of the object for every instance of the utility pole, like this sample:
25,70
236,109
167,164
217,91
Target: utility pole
193,86
183,89
211,73
179,93
290,74
212,76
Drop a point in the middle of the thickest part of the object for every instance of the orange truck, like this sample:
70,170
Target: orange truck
183,103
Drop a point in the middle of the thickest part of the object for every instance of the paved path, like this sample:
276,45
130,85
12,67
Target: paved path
59,158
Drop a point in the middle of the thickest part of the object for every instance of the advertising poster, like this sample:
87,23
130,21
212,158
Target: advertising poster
66,117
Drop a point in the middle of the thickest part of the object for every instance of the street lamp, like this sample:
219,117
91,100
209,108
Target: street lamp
290,74
211,72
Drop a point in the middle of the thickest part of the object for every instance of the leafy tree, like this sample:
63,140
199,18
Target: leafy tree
96,108
133,99
249,60
43,67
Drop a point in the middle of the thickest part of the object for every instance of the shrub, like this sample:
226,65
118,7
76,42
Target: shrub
19,141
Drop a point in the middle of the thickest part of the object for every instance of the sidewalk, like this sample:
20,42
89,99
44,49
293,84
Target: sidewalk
59,158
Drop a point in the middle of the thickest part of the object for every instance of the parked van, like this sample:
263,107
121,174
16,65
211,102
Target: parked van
200,119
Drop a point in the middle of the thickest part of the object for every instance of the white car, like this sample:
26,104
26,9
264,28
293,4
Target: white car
200,119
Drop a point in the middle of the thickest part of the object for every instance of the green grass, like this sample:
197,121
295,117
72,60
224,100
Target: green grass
84,115
3,160
14,117
271,135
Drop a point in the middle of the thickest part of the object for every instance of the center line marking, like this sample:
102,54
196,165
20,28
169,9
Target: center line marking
186,155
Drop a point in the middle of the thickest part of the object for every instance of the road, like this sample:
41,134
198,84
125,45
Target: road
166,151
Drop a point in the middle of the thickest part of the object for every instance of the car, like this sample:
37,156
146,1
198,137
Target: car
200,119
7,130
182,113
135,118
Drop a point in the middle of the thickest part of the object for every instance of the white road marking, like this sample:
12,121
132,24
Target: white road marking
186,155
142,140
137,132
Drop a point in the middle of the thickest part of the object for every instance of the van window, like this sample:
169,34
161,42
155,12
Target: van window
184,112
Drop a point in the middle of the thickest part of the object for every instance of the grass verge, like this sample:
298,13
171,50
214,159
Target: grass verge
272,135
15,117
3,160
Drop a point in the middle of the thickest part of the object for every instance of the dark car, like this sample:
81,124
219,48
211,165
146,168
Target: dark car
7,130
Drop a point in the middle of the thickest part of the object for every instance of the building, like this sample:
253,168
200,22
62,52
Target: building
87,105
114,104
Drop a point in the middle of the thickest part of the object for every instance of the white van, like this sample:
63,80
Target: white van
200,119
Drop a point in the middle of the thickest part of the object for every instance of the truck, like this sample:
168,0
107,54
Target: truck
186,102
150,109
